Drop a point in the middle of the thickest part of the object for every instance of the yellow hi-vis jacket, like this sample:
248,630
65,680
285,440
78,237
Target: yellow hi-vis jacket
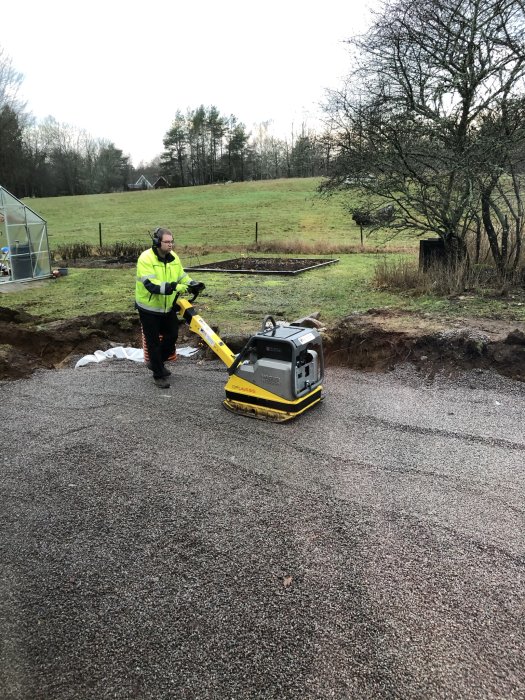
153,273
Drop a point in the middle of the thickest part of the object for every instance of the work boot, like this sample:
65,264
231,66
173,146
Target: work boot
165,370
161,382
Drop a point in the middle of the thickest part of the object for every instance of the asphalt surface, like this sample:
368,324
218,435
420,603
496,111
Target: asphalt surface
154,545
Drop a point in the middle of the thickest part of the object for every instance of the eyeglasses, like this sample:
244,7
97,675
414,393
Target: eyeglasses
167,242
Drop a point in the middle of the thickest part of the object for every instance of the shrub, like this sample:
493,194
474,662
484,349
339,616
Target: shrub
72,251
444,280
79,251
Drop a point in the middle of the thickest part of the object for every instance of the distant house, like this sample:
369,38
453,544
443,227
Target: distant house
160,183
142,184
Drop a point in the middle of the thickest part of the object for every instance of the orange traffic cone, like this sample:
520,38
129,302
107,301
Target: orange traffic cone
171,358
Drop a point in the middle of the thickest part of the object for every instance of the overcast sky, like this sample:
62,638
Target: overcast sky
120,70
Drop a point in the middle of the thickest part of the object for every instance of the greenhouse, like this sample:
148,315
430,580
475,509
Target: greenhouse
24,245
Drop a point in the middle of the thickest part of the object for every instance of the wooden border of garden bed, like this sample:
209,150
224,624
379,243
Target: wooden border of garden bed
220,267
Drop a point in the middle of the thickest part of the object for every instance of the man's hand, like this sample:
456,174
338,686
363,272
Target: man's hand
181,288
169,288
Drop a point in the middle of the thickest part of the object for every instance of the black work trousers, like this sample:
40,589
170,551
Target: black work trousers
161,332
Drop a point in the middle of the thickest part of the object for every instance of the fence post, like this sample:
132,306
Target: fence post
256,231
100,234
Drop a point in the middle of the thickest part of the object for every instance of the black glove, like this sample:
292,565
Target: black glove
196,286
169,288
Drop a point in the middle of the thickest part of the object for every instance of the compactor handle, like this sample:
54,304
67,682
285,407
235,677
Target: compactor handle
265,321
195,288
240,357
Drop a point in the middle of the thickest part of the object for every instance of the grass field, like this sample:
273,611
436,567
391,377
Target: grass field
218,222
238,302
219,216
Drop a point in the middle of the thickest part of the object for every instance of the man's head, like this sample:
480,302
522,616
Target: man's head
163,240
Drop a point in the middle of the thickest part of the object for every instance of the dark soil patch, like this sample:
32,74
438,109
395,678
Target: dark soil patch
374,341
278,266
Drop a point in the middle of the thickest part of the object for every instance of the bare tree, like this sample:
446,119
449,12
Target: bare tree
12,122
268,153
427,120
10,82
62,160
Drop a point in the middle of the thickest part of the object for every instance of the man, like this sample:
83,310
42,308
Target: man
160,277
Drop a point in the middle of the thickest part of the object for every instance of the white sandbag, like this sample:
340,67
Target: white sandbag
120,353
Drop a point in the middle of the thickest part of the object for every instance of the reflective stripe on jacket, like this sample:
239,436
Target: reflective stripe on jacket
152,275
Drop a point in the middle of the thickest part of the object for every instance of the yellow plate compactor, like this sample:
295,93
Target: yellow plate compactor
277,375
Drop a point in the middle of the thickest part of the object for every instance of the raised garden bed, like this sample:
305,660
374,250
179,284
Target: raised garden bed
261,266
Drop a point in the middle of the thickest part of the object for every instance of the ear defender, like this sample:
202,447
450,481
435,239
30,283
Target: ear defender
157,236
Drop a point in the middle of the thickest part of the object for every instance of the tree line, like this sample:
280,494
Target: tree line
200,147
52,159
49,158
204,147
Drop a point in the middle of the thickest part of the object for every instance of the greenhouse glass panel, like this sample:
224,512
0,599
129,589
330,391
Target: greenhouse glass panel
18,234
24,245
31,217
41,263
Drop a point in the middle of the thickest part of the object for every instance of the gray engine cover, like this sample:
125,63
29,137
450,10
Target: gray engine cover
281,377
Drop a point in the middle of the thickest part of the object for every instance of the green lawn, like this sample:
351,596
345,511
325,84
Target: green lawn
218,222
215,215
238,302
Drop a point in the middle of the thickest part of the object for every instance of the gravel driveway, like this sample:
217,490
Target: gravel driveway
154,545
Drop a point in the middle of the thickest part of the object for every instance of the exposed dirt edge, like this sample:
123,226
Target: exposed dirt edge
28,343
365,345
375,341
